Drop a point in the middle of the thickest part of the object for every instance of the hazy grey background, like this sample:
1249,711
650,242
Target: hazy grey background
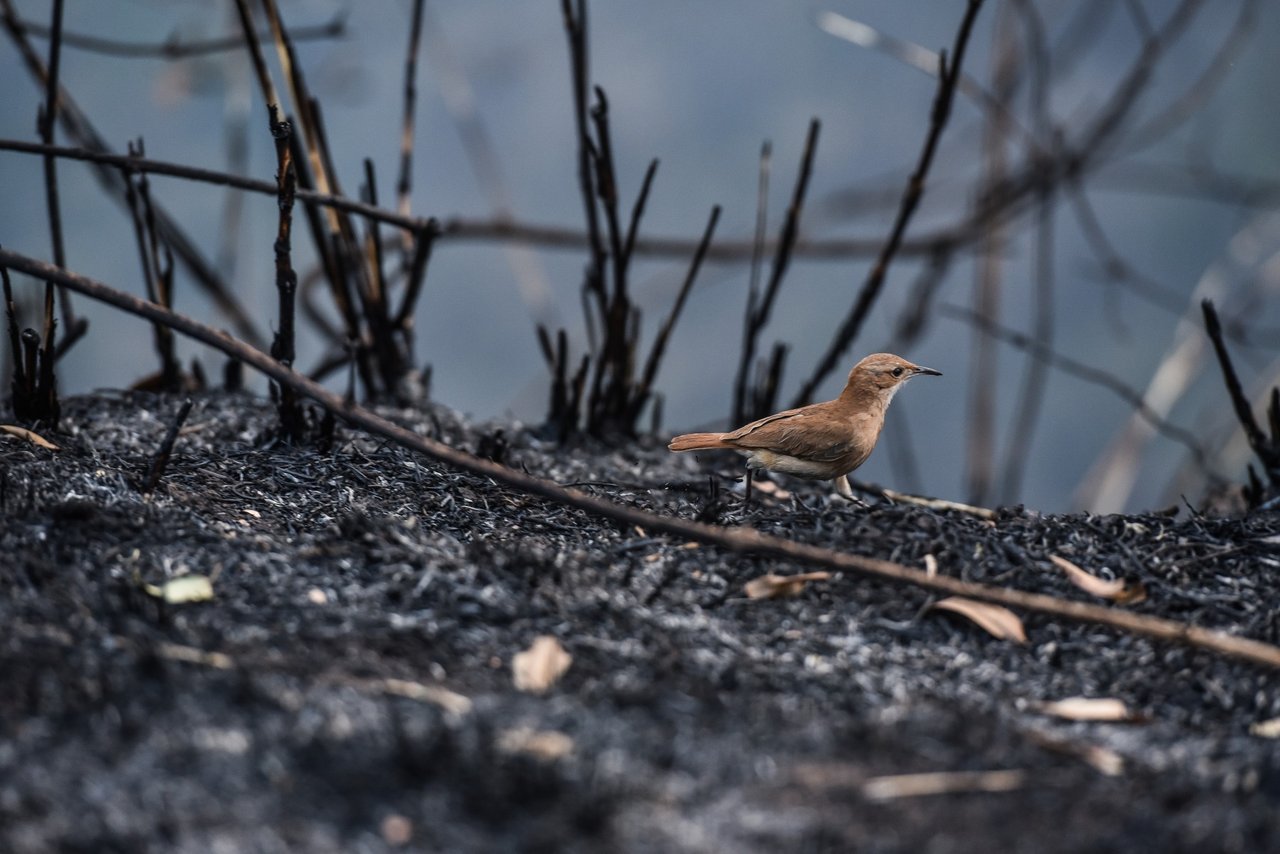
699,85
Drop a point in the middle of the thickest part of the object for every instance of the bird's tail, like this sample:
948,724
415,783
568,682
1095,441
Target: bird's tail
697,442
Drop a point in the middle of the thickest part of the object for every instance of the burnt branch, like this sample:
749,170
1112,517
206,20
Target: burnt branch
77,125
18,382
948,75
1265,447
405,181
642,393
46,122
292,423
759,307
157,274
175,47
160,461
251,42
1087,373
507,229
618,388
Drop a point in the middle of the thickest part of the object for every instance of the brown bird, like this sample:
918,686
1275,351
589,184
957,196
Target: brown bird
822,441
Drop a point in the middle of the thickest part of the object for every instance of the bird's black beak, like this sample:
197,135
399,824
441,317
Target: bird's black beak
929,371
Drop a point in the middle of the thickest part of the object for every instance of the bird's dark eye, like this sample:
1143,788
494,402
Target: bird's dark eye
897,372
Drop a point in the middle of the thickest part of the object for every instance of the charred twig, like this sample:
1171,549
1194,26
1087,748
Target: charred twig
1084,372
45,392
922,501
254,185
1035,376
948,75
260,71
575,24
643,392
552,237
354,269
1159,126
980,413
387,349
616,395
565,407
1266,448
424,235
77,125
919,307
292,423
759,306
1035,379
157,272
739,540
176,48
405,181
18,383
614,363
160,461
459,97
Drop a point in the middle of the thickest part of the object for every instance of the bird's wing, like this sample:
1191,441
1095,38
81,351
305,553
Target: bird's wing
808,433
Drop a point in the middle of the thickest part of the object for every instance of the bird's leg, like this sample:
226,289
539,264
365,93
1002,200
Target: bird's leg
846,491
746,481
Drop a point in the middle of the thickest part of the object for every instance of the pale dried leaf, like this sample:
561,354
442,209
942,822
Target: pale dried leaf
773,586
1103,759
180,652
397,831
541,665
997,620
1266,729
450,701
941,783
768,487
30,435
1120,590
547,745
1088,709
184,589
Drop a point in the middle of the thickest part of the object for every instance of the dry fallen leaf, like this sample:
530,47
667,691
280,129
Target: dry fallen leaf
187,588
541,665
1088,709
547,745
31,436
998,621
941,783
1103,759
437,695
1266,729
774,586
191,655
397,831
768,487
1121,591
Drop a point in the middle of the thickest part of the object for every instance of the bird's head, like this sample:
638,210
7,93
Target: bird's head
882,374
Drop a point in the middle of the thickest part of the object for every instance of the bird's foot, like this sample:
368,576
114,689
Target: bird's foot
846,492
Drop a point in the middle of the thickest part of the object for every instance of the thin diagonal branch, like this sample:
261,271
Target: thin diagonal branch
949,74
759,309
175,48
1084,372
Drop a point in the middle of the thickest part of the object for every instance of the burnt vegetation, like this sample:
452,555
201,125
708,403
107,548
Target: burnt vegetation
373,560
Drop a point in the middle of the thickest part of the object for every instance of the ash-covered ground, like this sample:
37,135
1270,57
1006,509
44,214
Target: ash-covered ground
349,686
